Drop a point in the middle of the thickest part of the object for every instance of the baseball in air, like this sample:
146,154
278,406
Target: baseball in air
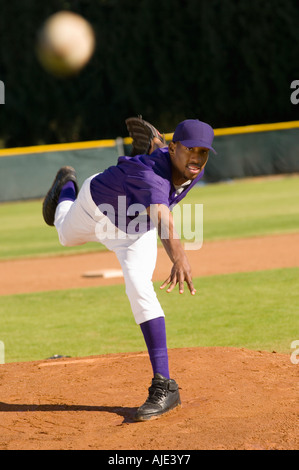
65,44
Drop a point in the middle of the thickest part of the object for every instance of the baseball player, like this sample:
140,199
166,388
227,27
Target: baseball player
125,207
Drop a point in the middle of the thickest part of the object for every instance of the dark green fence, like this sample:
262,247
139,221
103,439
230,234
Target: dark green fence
262,150
254,154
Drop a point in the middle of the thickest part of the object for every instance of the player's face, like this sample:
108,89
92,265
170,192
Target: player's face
187,162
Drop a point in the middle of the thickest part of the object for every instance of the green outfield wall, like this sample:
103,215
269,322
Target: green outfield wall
254,154
27,173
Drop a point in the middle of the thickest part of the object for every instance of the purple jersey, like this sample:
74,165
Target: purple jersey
125,190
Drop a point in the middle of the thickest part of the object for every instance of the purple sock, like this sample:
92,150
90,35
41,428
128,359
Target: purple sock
154,333
68,192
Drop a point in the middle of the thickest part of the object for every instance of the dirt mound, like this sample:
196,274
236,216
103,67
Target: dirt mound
231,399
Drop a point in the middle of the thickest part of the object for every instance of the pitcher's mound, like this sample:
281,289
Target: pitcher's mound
231,399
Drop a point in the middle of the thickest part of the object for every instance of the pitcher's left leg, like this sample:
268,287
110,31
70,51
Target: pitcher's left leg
138,262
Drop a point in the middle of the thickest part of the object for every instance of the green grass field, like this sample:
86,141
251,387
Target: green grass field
251,310
247,208
230,210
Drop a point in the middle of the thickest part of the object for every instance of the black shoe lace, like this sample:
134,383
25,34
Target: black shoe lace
156,394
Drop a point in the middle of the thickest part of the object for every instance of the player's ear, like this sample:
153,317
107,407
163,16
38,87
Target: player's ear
171,148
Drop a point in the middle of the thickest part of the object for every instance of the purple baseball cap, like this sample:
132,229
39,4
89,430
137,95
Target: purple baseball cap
194,133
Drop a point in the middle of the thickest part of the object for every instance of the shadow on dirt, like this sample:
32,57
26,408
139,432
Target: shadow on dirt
126,412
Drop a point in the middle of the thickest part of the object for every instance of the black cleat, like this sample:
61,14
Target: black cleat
163,397
65,174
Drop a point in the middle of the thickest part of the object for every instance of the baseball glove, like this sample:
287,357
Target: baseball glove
142,133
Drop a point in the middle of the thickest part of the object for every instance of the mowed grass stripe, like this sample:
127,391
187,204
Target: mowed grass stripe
238,209
250,310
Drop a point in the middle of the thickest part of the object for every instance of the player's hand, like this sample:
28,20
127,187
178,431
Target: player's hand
180,273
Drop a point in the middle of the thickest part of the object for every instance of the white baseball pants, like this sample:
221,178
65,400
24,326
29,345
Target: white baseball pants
81,221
